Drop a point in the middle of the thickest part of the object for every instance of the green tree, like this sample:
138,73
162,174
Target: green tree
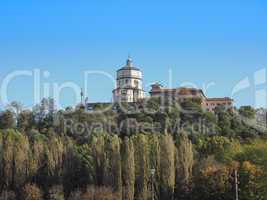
15,159
154,155
184,165
113,165
21,160
141,167
128,171
97,152
253,172
7,120
247,111
223,121
25,120
250,186
16,108
214,181
167,167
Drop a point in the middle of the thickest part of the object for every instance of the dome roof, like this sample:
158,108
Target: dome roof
129,65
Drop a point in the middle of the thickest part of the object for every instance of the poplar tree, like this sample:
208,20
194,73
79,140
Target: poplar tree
184,164
7,156
98,156
55,154
113,165
141,167
21,159
14,154
38,146
154,162
167,167
128,171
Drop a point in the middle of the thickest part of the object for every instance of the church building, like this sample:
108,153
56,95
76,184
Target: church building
129,89
129,84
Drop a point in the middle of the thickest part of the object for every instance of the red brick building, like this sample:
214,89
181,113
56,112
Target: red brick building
183,93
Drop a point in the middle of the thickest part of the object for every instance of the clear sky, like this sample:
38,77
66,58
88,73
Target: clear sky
199,41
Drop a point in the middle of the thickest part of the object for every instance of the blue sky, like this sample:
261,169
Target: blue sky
199,41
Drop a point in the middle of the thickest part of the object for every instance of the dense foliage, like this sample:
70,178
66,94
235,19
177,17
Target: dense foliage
149,150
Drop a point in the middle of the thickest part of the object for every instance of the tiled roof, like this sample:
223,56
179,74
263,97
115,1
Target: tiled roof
181,91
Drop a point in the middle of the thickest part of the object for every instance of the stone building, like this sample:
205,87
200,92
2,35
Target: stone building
183,93
129,84
212,103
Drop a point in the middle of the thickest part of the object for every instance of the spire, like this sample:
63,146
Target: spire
129,61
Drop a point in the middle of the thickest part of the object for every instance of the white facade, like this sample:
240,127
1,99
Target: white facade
129,84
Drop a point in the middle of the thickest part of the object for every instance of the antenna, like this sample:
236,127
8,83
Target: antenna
82,95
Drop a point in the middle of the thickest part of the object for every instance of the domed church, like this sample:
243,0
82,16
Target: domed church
129,84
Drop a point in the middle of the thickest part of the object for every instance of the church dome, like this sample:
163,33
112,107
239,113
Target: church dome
129,65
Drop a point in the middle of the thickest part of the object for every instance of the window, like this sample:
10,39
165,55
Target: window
136,83
123,92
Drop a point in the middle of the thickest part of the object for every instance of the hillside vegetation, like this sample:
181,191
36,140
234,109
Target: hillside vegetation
158,150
